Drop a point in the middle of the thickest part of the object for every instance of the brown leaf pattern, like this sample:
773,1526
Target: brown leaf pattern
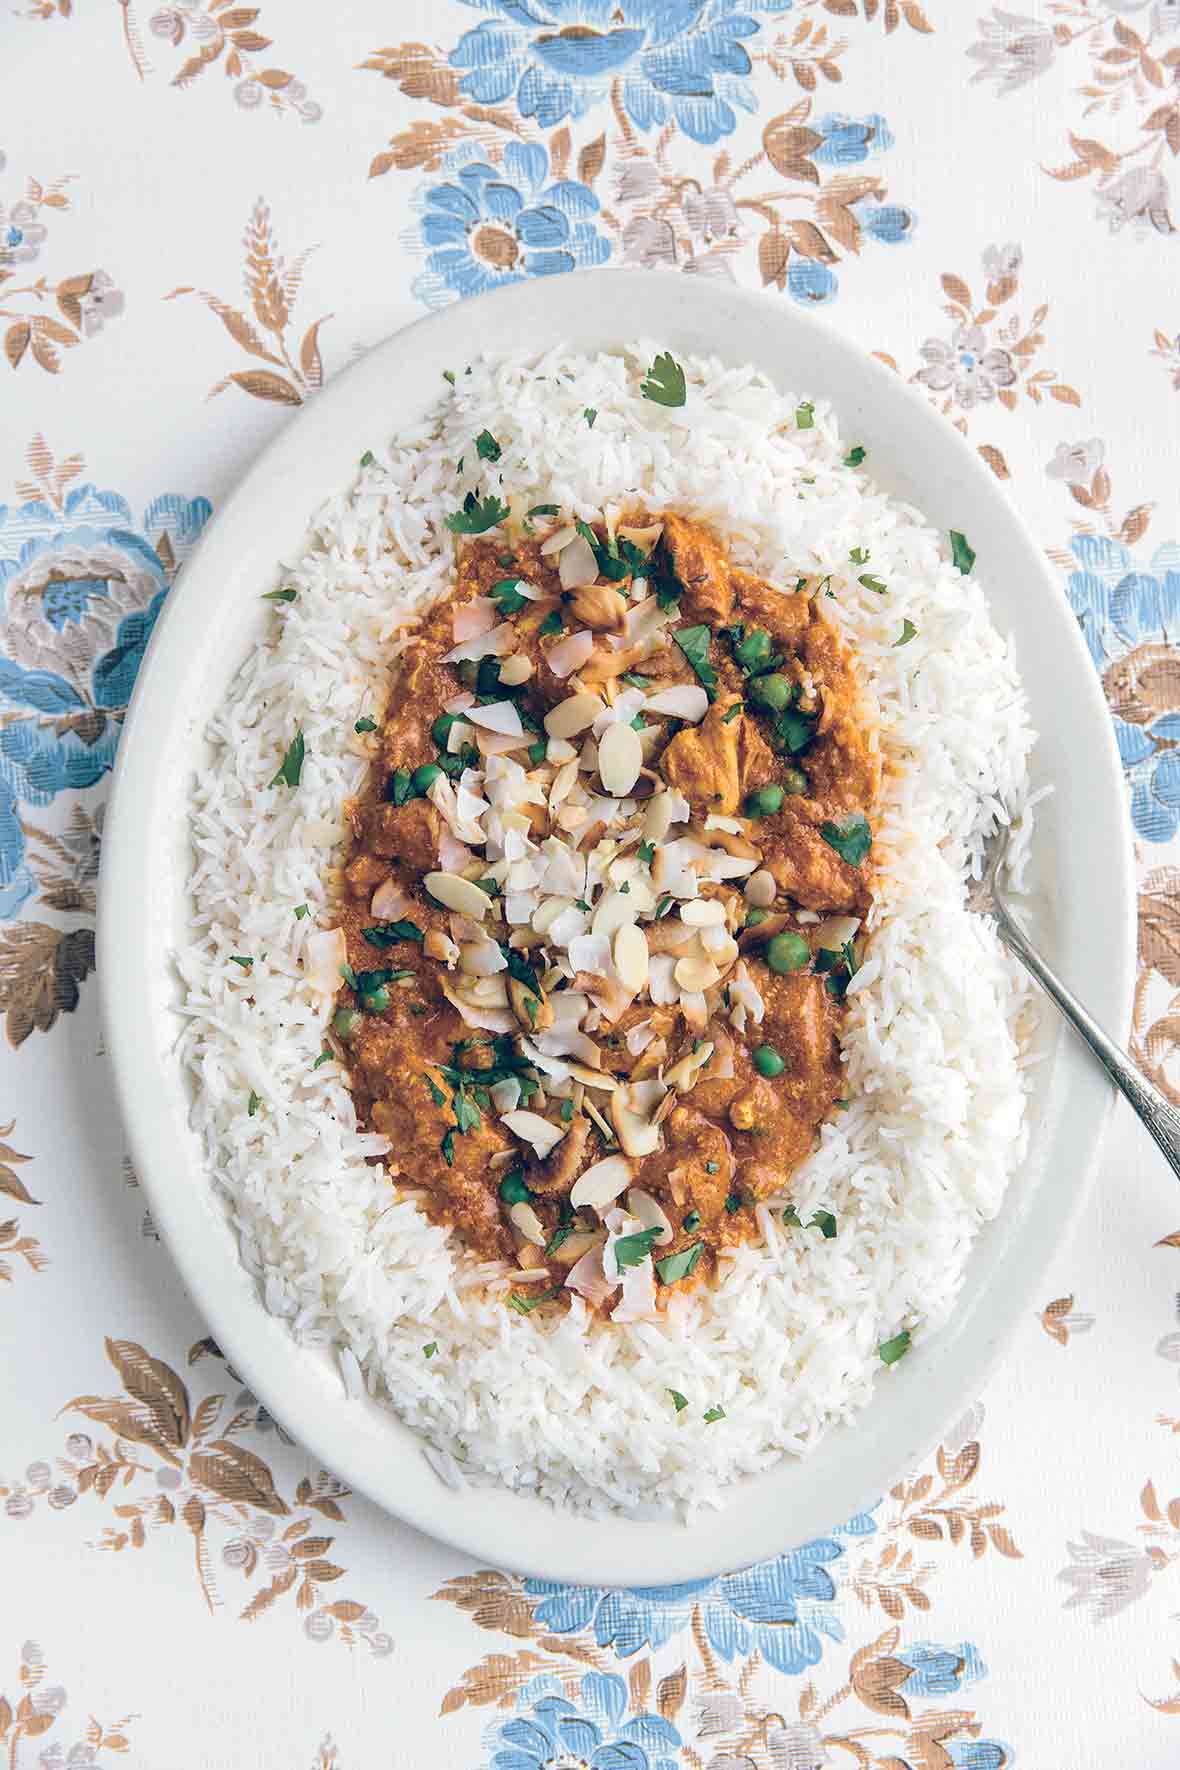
273,285
35,1708
161,1457
87,300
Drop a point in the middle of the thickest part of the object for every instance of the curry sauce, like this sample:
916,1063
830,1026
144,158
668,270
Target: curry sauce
602,902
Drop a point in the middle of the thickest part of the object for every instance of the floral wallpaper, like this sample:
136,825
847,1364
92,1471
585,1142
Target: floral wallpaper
987,199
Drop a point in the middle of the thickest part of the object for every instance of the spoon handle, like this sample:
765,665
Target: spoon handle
1159,1116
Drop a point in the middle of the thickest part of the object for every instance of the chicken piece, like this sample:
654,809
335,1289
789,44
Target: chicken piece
700,563
800,1022
364,873
557,1173
408,833
694,1169
703,761
806,868
756,762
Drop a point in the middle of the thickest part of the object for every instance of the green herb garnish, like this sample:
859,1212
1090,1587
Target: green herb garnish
589,414
859,556
694,643
962,552
253,1103
635,680
291,766
551,624
241,959
561,1234
693,1220
679,1401
825,1223
792,1218
855,456
279,595
728,718
325,1056
851,838
487,448
733,1204
429,1351
447,1145
680,1265
545,510
646,852
713,1414
301,910
907,632
631,1249
664,382
366,724
872,583
805,416
524,1305
387,934
477,515
889,1351
508,596
449,375
367,458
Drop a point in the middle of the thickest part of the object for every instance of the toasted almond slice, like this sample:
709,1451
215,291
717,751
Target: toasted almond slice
721,947
481,959
570,653
456,893
530,1127
574,1246
573,715
833,933
703,912
630,956
324,953
599,606
682,1075
559,750
557,540
637,1135
563,782
389,901
437,945
516,669
650,1213
695,972
620,757
601,1183
577,565
612,912
761,889
683,701
523,1217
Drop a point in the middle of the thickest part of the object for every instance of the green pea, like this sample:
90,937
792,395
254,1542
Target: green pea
768,1062
425,776
771,691
795,782
513,1189
754,649
440,731
787,952
765,802
376,1000
344,1021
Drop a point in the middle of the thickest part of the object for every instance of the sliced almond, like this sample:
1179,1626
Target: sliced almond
703,912
620,757
437,945
456,893
612,912
323,954
682,701
530,1127
523,1217
637,1135
516,669
557,540
570,1251
682,1075
573,715
577,564
602,1183
695,972
650,1213
833,933
630,956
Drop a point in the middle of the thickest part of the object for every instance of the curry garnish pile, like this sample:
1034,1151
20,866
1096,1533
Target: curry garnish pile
602,904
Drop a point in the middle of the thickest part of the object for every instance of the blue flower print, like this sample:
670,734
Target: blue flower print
784,1608
939,1671
484,226
1129,616
81,585
979,1754
681,61
595,1733
848,141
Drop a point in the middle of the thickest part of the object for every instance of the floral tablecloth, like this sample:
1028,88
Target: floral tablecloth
205,210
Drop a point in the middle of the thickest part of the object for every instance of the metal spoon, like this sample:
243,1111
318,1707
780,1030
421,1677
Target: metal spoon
1158,1114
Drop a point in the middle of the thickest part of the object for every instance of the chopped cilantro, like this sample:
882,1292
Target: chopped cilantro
792,1218
325,1056
386,934
508,596
663,904
279,595
679,1265
851,838
667,585
477,515
436,1093
589,414
429,1351
694,643
581,904
301,910
855,456
805,416
486,446
646,852
545,510
367,458
242,960
963,555
561,1234
637,723
635,680
907,632
872,583
551,624
859,556
664,382
567,1111
631,1249
713,1414
679,1401
825,1223
728,718
366,724
447,1145
253,1103
692,1221
524,1305
889,1351
795,731
733,1204
291,766
449,375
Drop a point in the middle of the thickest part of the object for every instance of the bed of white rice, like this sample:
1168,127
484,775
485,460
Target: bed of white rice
786,1341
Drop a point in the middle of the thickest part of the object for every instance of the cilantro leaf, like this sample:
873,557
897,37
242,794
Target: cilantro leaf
242,960
386,934
508,596
795,730
694,643
291,766
851,838
252,1104
908,631
631,1249
962,553
589,414
365,724
551,624
855,456
679,1401
447,1145
429,1351
714,1413
825,1222
889,1351
646,852
525,1305
367,458
477,515
301,910
805,416
486,446
872,583
664,382
679,1265
279,595
324,1057
859,556
545,510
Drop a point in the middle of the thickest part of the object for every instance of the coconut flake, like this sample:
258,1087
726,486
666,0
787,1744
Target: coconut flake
496,644
530,1127
470,619
685,700
569,654
589,1279
324,953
